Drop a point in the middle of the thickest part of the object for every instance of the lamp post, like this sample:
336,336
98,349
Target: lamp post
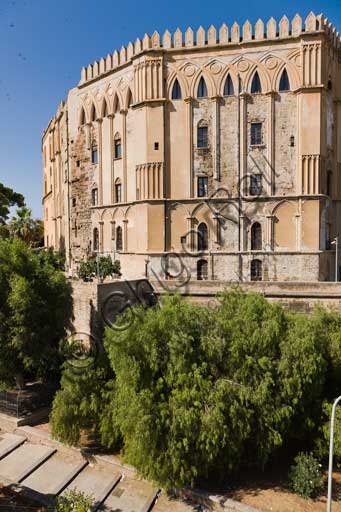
336,243
331,450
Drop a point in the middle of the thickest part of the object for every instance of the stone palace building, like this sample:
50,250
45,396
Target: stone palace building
215,155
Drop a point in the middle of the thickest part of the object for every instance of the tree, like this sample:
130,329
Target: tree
8,198
24,227
35,305
199,393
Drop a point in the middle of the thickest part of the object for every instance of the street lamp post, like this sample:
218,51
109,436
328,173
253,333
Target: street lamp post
331,450
336,243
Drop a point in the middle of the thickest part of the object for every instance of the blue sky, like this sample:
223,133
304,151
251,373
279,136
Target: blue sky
44,44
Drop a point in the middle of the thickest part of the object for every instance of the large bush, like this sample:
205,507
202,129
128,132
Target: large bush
305,476
34,309
200,392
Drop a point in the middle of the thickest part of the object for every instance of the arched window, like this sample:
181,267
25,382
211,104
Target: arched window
119,239
228,87
256,270
176,91
93,113
202,270
202,89
117,146
118,191
256,86
105,109
202,237
94,196
96,240
284,84
202,135
256,237
82,118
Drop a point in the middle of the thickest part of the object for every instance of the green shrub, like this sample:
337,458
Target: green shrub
74,501
88,269
305,476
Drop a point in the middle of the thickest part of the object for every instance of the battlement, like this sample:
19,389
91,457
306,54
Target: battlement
213,37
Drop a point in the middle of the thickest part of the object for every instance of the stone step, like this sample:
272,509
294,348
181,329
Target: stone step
9,442
130,496
165,504
95,482
54,475
22,461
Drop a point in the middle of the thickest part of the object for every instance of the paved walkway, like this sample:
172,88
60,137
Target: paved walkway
44,472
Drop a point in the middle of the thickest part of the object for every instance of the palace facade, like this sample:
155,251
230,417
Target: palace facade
214,155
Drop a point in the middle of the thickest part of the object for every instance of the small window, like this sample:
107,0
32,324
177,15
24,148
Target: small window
228,87
256,185
183,240
202,270
202,137
78,163
119,239
202,186
73,201
118,192
94,155
176,91
330,85
256,134
256,86
292,141
156,146
202,237
94,196
329,183
256,270
96,240
202,89
256,237
284,84
118,147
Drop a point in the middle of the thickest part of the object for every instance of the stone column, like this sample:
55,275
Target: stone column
217,230
243,141
101,236
243,233
112,169
100,160
270,146
190,235
216,137
189,129
269,233
124,141
125,235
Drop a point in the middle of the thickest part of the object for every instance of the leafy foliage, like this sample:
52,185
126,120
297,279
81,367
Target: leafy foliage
24,227
89,269
305,476
74,501
199,393
8,198
34,307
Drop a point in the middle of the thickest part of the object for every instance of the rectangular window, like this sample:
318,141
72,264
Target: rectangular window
118,190
256,134
94,196
256,184
202,137
202,186
94,156
118,148
156,146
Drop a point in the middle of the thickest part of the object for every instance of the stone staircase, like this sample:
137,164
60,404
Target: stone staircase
44,472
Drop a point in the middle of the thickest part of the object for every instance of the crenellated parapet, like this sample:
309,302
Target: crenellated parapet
236,34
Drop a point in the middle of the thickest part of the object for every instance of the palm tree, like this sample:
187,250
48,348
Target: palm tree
22,225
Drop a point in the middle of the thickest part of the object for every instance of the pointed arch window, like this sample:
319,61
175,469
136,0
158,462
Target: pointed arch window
284,84
119,239
118,191
228,87
202,88
176,91
82,118
256,237
202,270
105,109
256,85
202,237
93,114
256,270
117,146
96,240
